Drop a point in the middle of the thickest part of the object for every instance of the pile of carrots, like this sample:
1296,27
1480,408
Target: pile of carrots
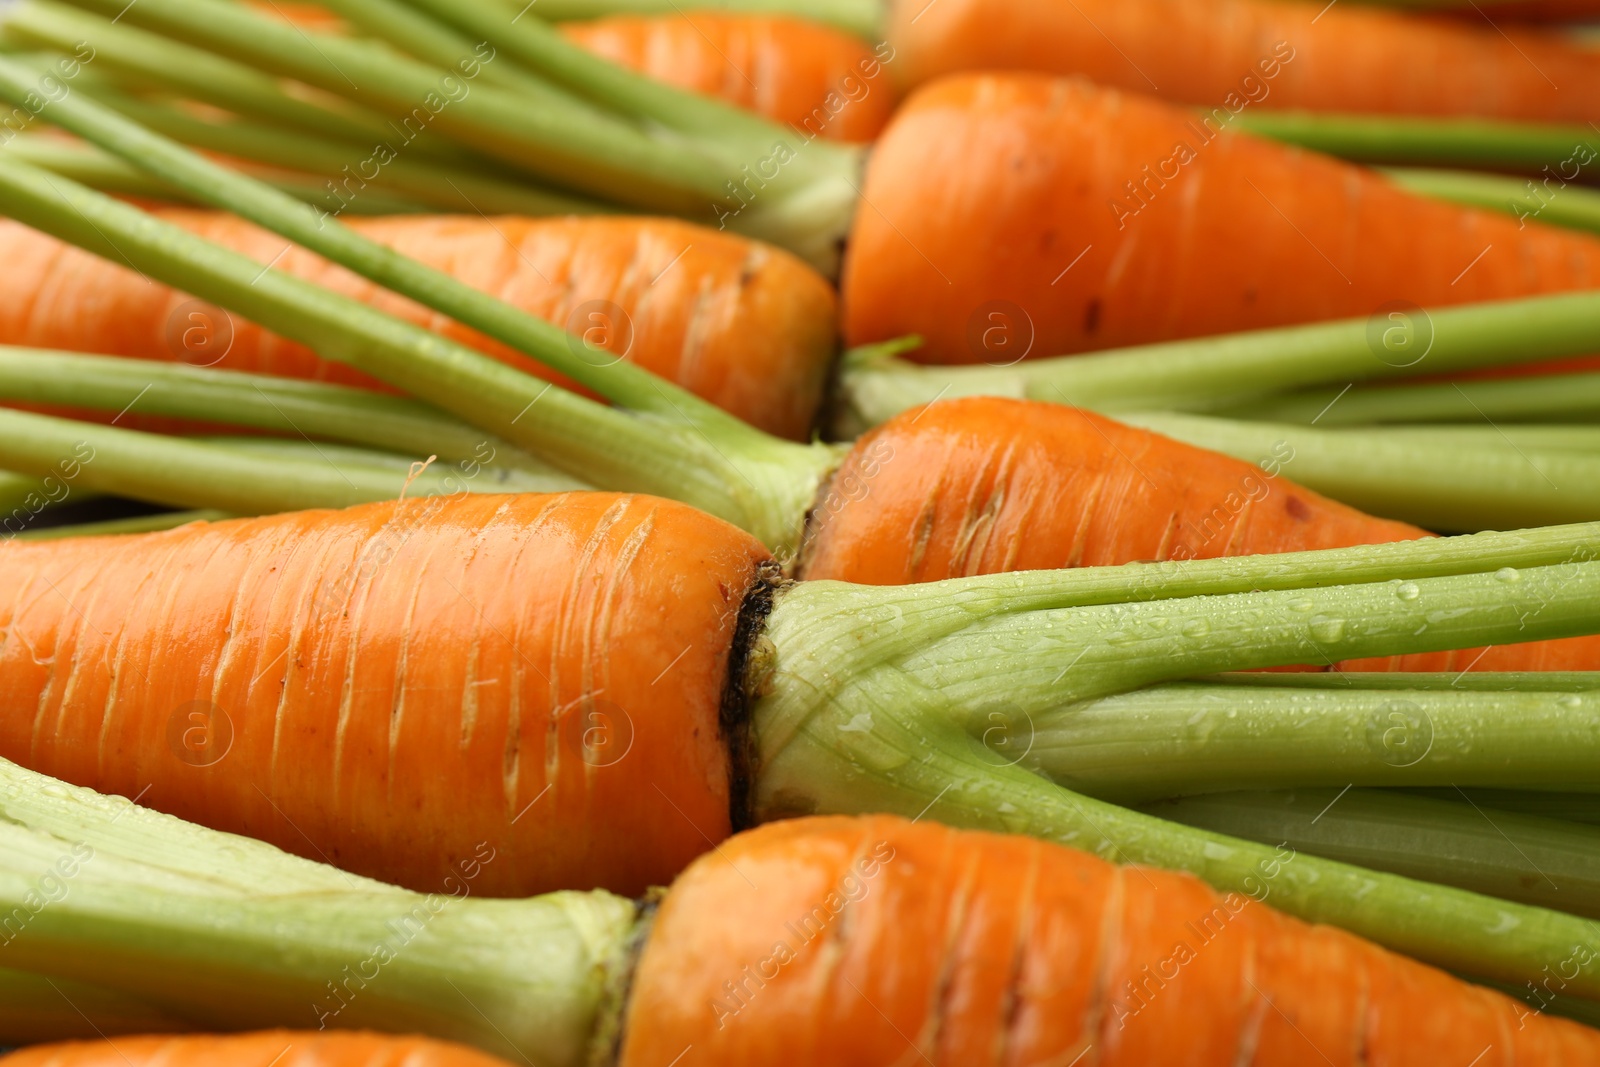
824,532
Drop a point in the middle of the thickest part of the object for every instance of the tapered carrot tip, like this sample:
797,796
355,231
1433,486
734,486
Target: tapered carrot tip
874,940
928,496
822,81
746,326
509,693
1020,216
273,1048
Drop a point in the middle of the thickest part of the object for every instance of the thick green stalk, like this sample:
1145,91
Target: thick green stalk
1184,739
164,520
1563,807
1210,373
554,137
1443,485
1444,142
1543,862
92,167
234,934
622,382
802,191
242,477
765,485
864,18
1582,439
342,188
262,401
874,699
1571,206
35,1008
1543,399
192,72
1475,681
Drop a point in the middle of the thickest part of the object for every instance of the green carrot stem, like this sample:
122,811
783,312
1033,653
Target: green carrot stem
432,480
1566,807
1581,439
1543,398
808,203
759,483
237,477
234,934
36,1008
1184,739
864,18
622,382
1444,485
22,496
92,167
194,72
1225,371
163,520
426,39
1446,142
1550,200
1543,862
1475,681
869,696
341,187
553,136
302,409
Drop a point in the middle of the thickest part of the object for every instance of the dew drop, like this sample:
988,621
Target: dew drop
1571,700
1408,591
1303,605
1508,574
1196,628
1327,629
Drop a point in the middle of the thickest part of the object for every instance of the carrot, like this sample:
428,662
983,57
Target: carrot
274,1048
1280,53
815,940
742,324
788,69
546,621
1066,218
871,940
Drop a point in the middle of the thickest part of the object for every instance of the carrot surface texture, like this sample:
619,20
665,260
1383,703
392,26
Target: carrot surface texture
275,1048
825,940
565,679
789,69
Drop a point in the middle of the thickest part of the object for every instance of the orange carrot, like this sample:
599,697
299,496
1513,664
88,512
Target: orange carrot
540,618
1280,53
874,940
1093,219
794,71
271,1048
742,324
984,485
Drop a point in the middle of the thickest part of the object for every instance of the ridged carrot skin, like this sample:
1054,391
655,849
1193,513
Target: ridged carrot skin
857,942
984,485
747,326
990,188
796,72
272,1048
400,687
1347,57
